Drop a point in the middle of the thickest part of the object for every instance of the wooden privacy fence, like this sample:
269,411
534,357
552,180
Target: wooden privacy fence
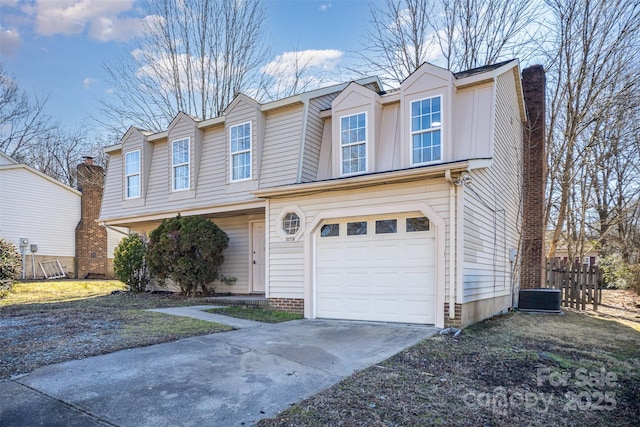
579,284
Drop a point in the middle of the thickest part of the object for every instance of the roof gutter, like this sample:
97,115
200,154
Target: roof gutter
368,180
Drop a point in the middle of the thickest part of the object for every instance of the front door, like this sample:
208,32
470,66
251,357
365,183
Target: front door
257,257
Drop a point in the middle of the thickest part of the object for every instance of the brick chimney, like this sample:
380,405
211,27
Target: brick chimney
91,238
534,179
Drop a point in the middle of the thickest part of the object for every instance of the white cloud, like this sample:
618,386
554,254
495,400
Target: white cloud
288,62
324,7
103,19
10,41
87,82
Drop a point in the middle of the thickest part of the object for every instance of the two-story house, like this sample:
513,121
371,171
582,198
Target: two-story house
349,202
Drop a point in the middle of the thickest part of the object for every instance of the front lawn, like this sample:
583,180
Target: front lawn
257,314
50,322
515,370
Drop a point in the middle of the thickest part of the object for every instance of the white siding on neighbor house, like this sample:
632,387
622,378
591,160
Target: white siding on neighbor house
281,153
492,202
286,259
38,208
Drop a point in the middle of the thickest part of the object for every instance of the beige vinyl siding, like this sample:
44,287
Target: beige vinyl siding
491,204
313,136
236,256
282,138
388,151
113,186
38,208
114,236
286,259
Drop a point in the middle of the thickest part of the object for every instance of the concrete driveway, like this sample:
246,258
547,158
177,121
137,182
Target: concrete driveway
226,379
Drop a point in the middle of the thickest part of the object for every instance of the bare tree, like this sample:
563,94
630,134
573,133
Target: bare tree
194,57
457,34
595,46
22,118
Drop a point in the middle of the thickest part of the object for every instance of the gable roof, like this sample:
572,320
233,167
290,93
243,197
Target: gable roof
12,164
478,70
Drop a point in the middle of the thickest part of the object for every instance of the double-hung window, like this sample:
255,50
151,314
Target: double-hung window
241,152
180,164
353,143
426,145
132,173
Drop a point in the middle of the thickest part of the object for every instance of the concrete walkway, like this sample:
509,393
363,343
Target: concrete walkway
227,379
197,312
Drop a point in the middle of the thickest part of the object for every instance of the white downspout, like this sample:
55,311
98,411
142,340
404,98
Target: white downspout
452,244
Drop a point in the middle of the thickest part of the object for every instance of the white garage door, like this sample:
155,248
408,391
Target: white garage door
376,268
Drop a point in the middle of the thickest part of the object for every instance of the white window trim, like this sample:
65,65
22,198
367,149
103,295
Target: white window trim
421,131
174,166
127,176
365,142
283,234
233,153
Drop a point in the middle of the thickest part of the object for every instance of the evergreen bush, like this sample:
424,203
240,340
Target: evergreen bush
189,251
129,263
10,266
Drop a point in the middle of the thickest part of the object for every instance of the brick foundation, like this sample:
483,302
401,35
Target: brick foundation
292,305
457,321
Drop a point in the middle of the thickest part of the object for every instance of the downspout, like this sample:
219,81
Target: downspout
452,243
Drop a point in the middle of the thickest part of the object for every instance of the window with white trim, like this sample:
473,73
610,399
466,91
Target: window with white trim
353,143
426,145
132,173
240,152
180,164
291,223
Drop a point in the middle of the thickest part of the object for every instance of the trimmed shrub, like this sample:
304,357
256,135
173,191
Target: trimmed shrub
10,266
129,263
188,250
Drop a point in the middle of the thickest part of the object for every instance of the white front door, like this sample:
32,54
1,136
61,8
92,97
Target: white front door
257,257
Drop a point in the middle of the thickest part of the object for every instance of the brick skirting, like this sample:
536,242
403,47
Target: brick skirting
457,321
292,305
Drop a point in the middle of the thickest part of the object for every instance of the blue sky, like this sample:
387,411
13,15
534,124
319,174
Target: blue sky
58,47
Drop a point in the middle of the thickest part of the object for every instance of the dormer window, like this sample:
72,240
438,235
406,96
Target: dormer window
132,173
180,164
426,145
353,143
241,152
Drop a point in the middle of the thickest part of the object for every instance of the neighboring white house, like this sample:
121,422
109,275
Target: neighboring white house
44,211
349,202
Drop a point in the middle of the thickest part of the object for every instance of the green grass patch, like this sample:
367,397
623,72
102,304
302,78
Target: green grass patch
162,326
257,314
59,291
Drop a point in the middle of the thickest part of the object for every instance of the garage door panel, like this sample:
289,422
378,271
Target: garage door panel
379,277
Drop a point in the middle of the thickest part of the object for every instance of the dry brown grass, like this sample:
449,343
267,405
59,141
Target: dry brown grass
51,322
506,371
